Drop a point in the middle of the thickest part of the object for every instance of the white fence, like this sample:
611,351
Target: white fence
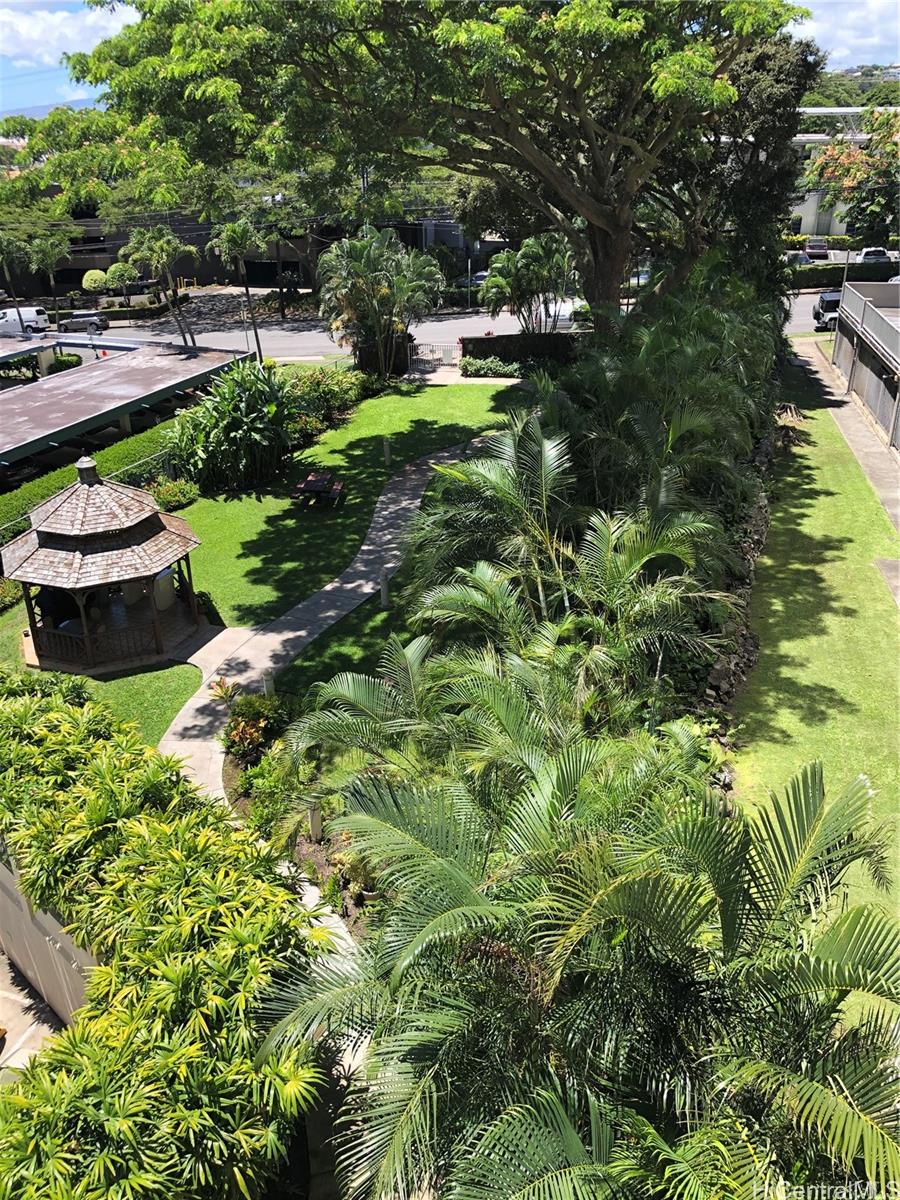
428,356
43,952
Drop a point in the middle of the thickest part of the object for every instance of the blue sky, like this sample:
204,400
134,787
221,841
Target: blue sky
35,33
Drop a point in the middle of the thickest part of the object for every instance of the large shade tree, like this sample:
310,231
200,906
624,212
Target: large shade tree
579,108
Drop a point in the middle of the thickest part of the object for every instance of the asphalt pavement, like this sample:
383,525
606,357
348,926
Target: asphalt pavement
314,343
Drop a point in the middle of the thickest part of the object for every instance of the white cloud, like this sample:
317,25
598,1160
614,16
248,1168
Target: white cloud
73,91
40,36
853,31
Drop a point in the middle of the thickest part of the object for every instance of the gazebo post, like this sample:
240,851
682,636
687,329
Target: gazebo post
29,608
86,633
192,595
157,627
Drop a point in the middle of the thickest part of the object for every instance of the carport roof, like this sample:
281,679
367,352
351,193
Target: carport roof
58,407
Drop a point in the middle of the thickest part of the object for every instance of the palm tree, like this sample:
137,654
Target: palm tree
157,250
233,242
608,998
531,282
45,254
12,253
373,289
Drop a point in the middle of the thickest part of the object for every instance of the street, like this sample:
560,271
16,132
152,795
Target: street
312,341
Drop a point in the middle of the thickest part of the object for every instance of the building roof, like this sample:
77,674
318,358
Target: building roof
94,533
58,407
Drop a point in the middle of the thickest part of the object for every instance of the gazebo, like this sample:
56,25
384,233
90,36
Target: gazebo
105,575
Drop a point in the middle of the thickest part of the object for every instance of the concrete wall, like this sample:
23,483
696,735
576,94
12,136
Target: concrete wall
870,379
36,943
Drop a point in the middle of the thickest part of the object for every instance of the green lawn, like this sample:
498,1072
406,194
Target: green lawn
260,554
826,684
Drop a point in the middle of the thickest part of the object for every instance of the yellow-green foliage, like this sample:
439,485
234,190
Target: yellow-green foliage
152,1090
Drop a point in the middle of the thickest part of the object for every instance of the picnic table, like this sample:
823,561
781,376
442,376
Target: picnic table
319,486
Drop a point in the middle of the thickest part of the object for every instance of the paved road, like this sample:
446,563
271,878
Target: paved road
314,343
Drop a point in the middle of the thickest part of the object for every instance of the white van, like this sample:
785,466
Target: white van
34,319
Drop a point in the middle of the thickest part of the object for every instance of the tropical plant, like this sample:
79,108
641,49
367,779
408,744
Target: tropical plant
120,275
158,250
585,997
151,1088
373,289
233,242
12,254
237,435
44,255
531,282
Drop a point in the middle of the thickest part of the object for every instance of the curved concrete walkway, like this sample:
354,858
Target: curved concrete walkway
243,656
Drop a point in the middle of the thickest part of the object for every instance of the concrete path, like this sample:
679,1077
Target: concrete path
880,464
27,1018
244,655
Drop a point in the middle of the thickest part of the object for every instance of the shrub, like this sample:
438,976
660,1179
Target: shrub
155,1079
148,312
93,281
172,494
255,722
236,437
10,594
303,430
491,367
823,275
64,362
127,459
271,788
325,392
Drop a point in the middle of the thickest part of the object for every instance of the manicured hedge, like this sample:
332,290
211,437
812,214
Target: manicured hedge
522,347
152,1090
490,368
146,313
832,274
16,505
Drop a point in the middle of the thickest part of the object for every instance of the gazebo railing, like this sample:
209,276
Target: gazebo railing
114,645
55,643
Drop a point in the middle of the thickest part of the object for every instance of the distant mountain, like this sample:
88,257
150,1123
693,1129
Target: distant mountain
41,110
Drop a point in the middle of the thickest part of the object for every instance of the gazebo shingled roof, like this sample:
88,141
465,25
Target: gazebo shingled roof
94,533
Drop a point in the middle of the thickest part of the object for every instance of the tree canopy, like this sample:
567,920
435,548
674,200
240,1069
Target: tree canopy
581,109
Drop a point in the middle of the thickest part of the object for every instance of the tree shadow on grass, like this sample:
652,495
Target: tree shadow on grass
298,550
793,597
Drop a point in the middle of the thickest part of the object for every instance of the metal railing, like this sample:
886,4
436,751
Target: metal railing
861,308
428,356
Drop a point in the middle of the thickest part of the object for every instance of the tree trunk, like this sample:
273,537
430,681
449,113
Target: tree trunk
52,277
243,273
180,319
12,292
281,311
604,274
174,311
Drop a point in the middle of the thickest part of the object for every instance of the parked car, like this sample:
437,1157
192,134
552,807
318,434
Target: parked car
797,258
87,319
34,319
825,310
873,254
816,247
894,279
477,280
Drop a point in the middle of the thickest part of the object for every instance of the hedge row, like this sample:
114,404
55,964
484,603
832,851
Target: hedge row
832,274
522,347
16,505
834,241
152,1090
124,314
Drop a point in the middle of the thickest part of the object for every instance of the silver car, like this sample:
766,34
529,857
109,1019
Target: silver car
88,319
